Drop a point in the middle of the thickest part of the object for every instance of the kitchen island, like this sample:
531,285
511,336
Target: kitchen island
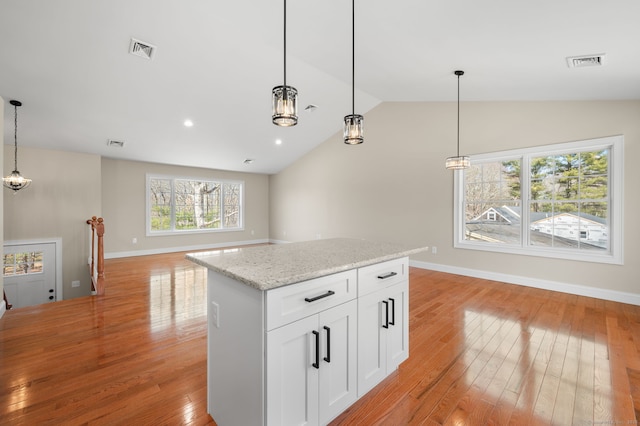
298,332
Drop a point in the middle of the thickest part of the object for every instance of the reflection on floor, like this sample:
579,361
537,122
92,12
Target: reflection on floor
481,352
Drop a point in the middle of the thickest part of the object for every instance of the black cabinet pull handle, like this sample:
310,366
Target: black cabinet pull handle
386,314
387,275
322,296
317,363
328,357
393,311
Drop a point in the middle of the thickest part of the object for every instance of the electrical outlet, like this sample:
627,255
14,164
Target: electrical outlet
215,314
75,283
434,250
134,240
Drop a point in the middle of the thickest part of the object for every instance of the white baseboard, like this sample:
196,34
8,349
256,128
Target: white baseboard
115,255
272,241
580,290
3,308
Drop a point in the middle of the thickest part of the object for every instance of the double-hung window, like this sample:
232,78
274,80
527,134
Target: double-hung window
177,205
561,201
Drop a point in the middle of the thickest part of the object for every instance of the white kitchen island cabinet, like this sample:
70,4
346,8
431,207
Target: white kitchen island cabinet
287,340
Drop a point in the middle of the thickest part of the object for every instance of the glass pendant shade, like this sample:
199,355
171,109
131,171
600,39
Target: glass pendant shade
284,106
353,129
15,181
460,162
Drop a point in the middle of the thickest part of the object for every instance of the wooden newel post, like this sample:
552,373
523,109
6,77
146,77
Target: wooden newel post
97,271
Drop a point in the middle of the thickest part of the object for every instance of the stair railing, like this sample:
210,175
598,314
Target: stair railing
96,262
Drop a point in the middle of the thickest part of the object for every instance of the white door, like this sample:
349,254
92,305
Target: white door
30,274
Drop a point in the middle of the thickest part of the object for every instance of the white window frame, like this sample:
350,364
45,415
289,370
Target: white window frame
615,192
174,231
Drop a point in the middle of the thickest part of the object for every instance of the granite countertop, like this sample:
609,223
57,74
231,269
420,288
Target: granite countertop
270,266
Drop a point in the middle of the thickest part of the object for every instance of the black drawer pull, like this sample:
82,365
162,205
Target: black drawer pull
387,275
322,296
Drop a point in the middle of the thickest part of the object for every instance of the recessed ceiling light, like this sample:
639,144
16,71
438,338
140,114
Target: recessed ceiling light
278,141
188,123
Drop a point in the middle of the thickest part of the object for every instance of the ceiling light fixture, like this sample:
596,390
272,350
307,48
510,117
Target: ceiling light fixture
353,123
459,162
284,99
15,180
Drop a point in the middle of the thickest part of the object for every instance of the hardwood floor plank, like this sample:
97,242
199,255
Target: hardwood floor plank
481,352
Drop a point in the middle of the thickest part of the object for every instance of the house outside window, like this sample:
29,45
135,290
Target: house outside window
183,205
561,201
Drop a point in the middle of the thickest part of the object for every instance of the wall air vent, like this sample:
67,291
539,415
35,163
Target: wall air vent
586,61
117,144
141,49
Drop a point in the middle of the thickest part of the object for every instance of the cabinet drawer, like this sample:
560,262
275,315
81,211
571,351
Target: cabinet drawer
295,301
381,275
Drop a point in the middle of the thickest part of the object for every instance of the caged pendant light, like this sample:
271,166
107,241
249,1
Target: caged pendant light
459,162
284,99
353,123
15,180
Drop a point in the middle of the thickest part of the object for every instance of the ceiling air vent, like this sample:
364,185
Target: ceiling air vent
586,61
117,144
141,48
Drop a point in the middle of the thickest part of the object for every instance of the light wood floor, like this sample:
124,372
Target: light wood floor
481,352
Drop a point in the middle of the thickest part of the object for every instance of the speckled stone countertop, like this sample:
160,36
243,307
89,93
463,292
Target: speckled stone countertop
270,266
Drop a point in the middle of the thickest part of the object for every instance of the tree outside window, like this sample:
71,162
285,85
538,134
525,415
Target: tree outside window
544,201
183,205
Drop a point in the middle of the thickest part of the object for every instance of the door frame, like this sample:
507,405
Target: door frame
58,247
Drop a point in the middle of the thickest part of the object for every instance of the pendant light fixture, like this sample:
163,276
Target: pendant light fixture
15,180
353,123
459,162
284,99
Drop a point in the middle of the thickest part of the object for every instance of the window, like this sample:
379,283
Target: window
177,205
560,200
23,263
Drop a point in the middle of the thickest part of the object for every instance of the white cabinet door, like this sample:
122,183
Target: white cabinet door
338,361
292,381
383,334
398,331
372,354
311,367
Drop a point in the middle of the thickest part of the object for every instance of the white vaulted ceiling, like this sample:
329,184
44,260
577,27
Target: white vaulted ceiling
216,63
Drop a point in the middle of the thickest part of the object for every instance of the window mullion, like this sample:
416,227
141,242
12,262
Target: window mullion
525,184
173,205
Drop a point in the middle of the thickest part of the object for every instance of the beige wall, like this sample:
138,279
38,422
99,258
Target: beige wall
394,187
123,201
65,193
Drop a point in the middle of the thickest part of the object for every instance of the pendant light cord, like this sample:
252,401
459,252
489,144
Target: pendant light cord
353,57
285,47
458,115
15,138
